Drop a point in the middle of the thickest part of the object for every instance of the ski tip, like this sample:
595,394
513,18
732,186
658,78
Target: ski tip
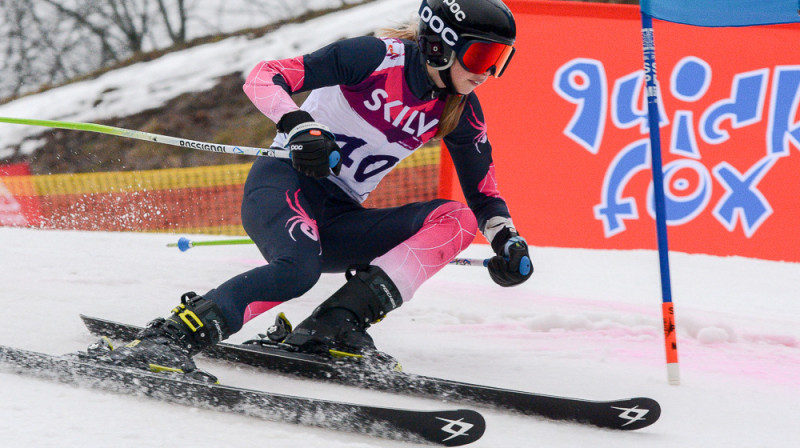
634,413
456,427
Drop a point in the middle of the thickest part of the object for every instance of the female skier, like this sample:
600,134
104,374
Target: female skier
373,102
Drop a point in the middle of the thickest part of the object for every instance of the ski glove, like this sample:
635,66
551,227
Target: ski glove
313,147
512,265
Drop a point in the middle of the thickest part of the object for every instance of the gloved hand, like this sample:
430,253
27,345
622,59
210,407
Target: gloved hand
512,265
313,146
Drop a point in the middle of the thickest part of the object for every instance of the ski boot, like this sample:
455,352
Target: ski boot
338,327
167,345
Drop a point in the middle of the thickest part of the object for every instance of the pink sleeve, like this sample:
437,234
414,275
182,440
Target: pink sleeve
270,98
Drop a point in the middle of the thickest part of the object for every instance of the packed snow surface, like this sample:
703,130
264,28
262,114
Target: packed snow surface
587,325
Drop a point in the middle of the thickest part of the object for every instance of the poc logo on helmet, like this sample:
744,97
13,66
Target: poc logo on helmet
455,8
437,25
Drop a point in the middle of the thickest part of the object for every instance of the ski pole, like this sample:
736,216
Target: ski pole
478,262
147,136
185,244
164,139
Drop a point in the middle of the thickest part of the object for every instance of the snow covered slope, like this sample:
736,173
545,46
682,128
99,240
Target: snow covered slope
587,325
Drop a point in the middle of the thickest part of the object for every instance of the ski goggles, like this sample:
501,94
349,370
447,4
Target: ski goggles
480,56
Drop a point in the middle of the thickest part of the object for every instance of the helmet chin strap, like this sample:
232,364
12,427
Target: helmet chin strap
446,75
447,79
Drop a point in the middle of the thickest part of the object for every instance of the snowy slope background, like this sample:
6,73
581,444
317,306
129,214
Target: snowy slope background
203,18
148,85
587,325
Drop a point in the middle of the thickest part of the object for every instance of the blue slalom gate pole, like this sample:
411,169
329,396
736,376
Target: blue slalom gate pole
668,310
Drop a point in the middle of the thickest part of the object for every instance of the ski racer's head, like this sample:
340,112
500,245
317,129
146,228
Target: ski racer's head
466,40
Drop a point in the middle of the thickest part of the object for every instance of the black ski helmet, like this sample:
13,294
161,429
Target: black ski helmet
480,33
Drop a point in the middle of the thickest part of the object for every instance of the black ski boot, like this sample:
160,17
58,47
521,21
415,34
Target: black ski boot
167,345
338,326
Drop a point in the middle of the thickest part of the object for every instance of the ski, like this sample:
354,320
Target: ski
623,414
447,428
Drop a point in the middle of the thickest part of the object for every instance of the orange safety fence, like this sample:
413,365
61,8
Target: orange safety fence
186,200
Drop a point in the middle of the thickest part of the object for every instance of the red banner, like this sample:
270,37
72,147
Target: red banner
571,142
19,205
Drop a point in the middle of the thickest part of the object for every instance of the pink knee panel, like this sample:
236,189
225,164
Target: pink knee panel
447,231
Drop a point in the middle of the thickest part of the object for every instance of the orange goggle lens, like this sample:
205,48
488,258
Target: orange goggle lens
479,57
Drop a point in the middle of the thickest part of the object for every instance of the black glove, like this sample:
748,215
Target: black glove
512,265
313,147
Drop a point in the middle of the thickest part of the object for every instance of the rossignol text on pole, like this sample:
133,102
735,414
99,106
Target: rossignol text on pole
150,137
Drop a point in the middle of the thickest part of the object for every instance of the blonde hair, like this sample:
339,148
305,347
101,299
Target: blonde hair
454,105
